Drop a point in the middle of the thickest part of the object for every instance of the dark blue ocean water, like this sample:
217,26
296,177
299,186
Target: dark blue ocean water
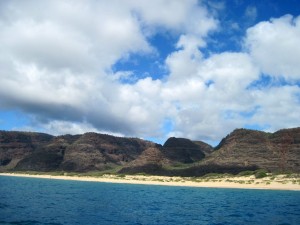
42,201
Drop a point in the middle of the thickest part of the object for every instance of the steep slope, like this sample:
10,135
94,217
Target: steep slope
94,151
90,151
279,151
48,156
15,146
183,150
204,147
240,150
175,152
285,144
150,161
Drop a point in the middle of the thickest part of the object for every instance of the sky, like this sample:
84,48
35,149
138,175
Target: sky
150,69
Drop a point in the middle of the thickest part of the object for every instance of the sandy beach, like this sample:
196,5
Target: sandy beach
279,182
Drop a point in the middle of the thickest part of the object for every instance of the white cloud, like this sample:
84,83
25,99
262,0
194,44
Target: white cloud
229,69
148,11
275,46
279,107
179,16
68,42
56,66
202,97
57,127
183,62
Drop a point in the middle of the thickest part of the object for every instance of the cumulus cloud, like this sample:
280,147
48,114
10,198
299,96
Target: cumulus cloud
179,16
56,66
274,45
279,107
57,62
69,34
217,86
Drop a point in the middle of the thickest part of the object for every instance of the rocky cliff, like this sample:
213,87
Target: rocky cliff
16,146
100,152
279,151
90,151
240,150
175,152
184,150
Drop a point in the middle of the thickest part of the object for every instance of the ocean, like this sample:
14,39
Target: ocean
32,201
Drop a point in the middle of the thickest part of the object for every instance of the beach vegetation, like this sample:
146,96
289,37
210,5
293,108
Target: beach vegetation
260,174
246,173
121,175
291,175
241,181
143,174
216,175
212,175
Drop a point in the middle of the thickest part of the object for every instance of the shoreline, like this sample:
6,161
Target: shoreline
278,182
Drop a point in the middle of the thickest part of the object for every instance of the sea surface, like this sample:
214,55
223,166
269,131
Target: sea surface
42,201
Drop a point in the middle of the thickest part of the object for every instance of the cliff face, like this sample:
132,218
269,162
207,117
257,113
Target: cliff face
99,152
150,161
240,150
183,150
279,151
90,151
15,146
175,151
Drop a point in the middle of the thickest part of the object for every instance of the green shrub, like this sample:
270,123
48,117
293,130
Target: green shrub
121,175
142,174
260,174
212,175
246,173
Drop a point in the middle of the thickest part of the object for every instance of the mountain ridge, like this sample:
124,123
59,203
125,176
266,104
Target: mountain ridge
242,149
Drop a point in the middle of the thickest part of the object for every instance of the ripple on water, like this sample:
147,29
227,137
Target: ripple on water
36,201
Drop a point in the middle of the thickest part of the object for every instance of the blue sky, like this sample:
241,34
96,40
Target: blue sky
150,69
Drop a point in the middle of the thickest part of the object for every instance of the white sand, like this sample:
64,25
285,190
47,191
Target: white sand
273,183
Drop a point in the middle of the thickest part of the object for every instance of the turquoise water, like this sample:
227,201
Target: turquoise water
42,201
